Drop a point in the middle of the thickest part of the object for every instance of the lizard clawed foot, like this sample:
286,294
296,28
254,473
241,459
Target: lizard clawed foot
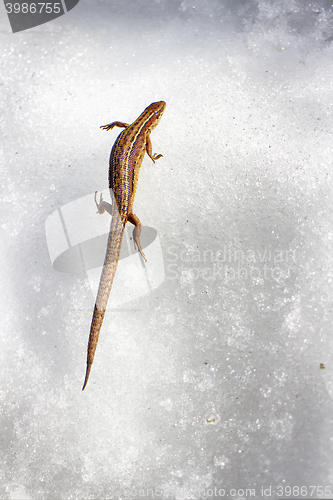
107,127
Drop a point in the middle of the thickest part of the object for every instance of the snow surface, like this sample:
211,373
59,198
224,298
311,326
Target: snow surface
220,380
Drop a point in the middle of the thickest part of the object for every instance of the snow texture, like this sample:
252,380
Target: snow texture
216,381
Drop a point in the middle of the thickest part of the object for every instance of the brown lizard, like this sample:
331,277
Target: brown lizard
125,162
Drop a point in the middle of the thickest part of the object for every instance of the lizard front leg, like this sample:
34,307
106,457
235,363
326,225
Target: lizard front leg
149,149
114,124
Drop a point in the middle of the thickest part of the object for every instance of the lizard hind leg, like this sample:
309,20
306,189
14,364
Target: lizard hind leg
133,219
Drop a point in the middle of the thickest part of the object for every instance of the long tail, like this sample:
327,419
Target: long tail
108,273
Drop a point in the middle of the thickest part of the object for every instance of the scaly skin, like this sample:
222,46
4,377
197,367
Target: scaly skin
125,162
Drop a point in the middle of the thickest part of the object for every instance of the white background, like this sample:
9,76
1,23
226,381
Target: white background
213,380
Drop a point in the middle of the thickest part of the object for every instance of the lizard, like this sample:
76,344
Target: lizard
125,161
